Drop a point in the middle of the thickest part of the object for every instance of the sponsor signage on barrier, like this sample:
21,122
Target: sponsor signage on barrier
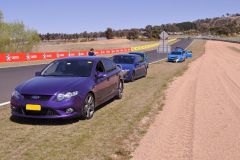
97,52
3,57
147,46
35,56
103,51
50,55
16,57
108,51
73,53
62,54
83,53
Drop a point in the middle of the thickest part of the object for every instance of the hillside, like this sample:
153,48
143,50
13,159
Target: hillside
226,25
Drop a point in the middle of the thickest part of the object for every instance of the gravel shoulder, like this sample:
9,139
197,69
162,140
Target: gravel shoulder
201,115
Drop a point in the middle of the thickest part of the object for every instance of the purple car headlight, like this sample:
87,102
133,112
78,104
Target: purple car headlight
16,94
68,95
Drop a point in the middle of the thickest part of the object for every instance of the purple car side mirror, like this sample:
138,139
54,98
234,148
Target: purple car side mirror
100,75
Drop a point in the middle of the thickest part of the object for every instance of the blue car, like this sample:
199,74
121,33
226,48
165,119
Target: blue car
68,88
178,55
133,64
143,55
188,53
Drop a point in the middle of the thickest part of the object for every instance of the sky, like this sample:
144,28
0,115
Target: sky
75,16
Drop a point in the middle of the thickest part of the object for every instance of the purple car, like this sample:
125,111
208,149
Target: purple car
68,88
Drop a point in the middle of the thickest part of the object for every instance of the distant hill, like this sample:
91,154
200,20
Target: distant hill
226,25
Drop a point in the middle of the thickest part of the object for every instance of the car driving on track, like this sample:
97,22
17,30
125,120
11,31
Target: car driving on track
188,53
177,55
133,64
67,88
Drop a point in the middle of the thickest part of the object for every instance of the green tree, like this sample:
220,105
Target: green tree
148,31
1,16
133,34
109,33
14,37
184,26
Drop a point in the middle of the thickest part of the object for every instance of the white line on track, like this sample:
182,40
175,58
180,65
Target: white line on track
158,61
5,103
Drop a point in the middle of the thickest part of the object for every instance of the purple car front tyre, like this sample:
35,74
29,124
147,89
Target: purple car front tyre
120,90
88,107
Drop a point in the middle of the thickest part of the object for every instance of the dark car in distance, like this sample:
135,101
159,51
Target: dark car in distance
132,64
68,88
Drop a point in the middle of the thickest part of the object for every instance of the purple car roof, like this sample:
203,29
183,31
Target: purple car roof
132,55
90,58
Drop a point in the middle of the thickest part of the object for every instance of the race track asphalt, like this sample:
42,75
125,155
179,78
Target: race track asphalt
155,56
11,77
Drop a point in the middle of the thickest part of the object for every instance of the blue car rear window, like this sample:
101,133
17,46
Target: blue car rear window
176,53
76,68
123,59
140,54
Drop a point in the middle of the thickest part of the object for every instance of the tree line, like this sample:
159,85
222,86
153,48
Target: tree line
228,24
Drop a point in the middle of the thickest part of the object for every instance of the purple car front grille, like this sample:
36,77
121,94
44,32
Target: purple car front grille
37,97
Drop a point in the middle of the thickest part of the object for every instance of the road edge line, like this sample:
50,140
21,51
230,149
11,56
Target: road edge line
5,103
158,61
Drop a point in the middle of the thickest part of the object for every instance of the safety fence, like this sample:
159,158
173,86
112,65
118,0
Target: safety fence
36,56
226,39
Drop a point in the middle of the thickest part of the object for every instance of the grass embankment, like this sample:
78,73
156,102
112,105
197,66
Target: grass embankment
97,45
113,133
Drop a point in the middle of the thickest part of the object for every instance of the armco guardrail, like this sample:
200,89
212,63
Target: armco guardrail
231,40
35,56
147,46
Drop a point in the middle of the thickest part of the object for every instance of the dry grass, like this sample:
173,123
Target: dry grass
113,132
102,44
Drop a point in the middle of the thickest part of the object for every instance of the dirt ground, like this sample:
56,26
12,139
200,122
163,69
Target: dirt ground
201,116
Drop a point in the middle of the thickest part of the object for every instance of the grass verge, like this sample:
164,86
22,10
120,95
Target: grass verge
113,133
